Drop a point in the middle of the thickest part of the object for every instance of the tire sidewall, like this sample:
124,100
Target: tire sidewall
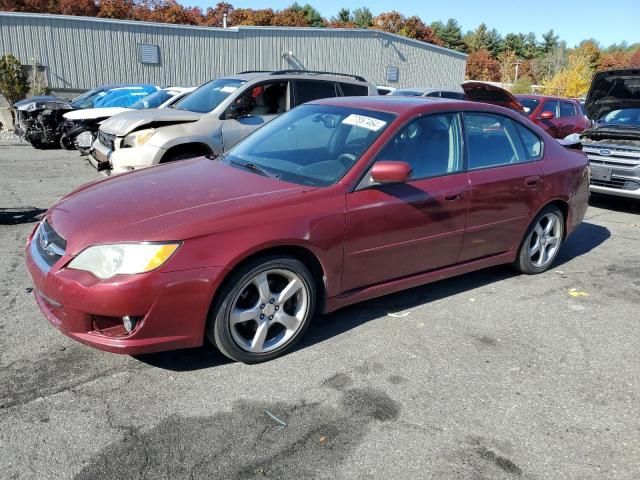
218,329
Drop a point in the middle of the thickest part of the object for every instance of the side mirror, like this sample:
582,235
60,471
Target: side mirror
236,111
547,116
387,171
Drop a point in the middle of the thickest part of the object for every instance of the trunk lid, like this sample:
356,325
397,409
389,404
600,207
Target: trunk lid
488,93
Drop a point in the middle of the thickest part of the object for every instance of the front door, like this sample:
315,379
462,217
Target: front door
252,109
403,229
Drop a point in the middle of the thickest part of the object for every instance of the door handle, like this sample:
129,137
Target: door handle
452,197
532,181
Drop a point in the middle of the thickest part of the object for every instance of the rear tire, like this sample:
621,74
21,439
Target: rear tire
263,309
542,242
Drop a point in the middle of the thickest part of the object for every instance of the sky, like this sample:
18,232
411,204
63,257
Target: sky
574,20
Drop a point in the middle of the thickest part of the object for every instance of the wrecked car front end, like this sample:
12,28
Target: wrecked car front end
39,120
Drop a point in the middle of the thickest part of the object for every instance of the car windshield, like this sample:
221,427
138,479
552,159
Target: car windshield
529,104
629,117
311,145
407,93
86,100
153,100
208,96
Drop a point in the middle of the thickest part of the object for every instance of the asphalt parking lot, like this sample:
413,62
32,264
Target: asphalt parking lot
492,375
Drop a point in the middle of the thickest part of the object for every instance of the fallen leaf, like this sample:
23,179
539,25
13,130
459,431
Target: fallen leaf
574,292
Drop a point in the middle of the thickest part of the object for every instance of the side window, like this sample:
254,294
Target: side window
307,90
264,99
493,140
551,106
353,90
433,94
567,109
431,145
531,141
453,95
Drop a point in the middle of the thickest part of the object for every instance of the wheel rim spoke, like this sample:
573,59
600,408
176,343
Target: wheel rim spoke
262,284
546,240
535,248
539,230
257,343
551,222
240,315
289,291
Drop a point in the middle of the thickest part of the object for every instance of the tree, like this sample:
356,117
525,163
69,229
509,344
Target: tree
344,16
290,17
549,41
415,28
363,17
248,16
450,34
591,51
522,85
311,15
634,58
507,61
122,9
86,8
572,81
391,22
13,82
515,42
214,16
484,39
614,59
482,66
531,48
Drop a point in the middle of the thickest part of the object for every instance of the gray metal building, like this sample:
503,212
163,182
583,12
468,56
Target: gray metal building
78,53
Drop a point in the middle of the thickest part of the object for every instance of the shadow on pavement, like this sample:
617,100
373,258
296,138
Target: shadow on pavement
586,237
618,204
18,216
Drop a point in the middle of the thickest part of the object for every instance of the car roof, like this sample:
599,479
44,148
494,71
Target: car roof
407,105
542,97
293,74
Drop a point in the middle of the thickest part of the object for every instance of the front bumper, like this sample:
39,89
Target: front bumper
616,173
122,160
172,306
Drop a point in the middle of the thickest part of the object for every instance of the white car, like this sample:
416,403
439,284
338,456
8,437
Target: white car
81,126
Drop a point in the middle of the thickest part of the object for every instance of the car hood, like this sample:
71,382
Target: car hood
43,102
175,201
613,90
487,93
127,122
94,113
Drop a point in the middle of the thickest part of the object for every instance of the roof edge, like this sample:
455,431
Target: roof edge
367,31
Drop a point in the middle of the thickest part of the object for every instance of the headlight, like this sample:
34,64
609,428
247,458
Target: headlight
138,138
105,261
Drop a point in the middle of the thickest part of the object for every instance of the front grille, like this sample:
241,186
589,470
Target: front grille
47,247
617,156
619,183
106,139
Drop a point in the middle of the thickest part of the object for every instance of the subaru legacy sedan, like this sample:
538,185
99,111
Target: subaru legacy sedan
335,202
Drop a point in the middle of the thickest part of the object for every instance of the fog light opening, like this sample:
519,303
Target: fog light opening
130,323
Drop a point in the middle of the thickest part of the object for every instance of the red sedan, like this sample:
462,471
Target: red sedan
333,203
558,116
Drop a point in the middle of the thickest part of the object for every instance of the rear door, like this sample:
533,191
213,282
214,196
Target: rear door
569,118
254,107
505,178
403,229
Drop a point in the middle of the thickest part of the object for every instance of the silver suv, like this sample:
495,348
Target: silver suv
613,142
213,118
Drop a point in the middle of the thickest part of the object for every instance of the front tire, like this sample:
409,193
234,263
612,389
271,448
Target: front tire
263,310
542,242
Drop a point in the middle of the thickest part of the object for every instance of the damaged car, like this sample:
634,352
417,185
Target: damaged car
81,126
213,118
39,120
612,144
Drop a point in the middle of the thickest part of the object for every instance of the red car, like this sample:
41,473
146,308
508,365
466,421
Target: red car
558,116
336,202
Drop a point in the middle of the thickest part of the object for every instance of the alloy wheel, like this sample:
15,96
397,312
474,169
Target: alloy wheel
268,310
545,239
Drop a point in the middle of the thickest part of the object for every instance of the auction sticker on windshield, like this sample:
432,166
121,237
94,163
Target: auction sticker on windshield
228,89
369,123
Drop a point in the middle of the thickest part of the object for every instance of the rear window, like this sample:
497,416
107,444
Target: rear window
352,90
529,104
308,90
407,93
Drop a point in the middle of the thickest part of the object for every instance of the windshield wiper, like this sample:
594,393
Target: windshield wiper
254,168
